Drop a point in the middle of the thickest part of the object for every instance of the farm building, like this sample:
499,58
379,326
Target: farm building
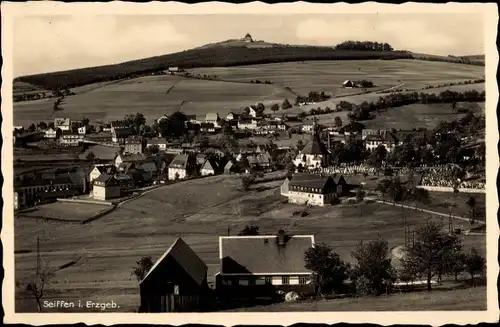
247,124
70,138
209,168
212,118
181,167
314,190
100,152
276,262
98,170
348,84
120,135
120,157
384,138
160,142
64,124
106,187
175,70
207,127
261,160
177,282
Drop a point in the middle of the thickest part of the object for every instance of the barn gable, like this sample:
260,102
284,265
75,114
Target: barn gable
185,257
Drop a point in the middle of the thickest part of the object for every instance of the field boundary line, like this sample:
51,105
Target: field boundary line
430,211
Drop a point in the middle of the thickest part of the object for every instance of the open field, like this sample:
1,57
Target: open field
64,211
328,76
153,96
461,299
156,95
198,211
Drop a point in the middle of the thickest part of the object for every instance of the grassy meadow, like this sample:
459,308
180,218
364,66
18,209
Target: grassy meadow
453,300
105,250
328,76
156,95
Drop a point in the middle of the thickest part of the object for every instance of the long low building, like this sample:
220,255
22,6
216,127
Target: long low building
316,190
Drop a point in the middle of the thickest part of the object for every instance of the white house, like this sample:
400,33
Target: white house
51,133
180,167
82,130
161,142
212,118
100,169
106,187
70,138
386,139
252,112
208,168
307,128
247,124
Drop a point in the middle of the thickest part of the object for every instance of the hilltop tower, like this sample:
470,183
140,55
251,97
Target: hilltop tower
248,38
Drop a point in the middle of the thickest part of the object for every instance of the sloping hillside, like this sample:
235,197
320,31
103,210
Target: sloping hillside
213,56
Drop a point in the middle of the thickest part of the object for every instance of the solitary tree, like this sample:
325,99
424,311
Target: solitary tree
474,264
286,104
471,202
373,272
142,268
329,271
360,196
42,275
427,255
275,107
338,121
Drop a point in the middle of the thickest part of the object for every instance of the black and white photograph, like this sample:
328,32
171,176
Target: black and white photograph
250,161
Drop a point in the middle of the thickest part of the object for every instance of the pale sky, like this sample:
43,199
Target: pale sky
45,44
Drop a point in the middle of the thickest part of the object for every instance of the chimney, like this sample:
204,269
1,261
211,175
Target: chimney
281,237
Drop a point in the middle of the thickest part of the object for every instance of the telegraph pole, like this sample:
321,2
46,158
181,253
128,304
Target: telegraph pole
38,260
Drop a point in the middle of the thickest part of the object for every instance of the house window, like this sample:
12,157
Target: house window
269,280
251,281
285,280
176,289
302,280
235,282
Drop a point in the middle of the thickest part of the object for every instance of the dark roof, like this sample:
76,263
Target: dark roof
134,139
134,157
157,140
180,161
124,132
260,159
185,257
105,179
68,133
37,181
310,180
207,125
265,256
101,152
106,169
314,147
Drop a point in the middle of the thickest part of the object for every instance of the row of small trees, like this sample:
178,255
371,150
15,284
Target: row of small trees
363,111
433,253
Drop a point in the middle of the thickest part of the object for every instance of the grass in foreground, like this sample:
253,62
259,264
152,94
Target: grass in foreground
462,299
